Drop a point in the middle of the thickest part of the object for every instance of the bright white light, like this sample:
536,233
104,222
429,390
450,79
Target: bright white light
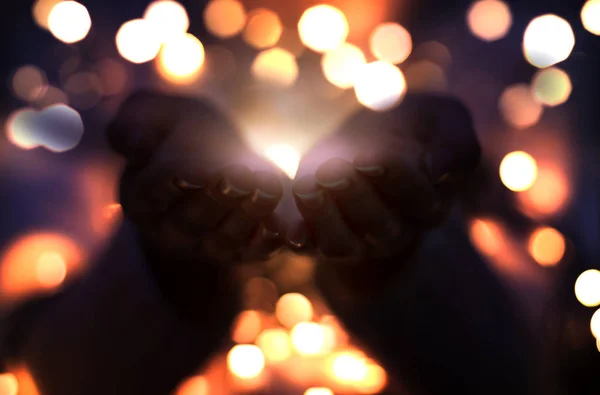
286,157
380,86
168,17
69,21
548,40
138,41
587,288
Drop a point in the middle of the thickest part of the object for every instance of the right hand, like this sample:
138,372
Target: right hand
182,187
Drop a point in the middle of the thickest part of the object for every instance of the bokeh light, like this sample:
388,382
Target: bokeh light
380,86
41,10
196,385
84,89
489,20
275,66
519,106
518,171
51,269
435,52
342,65
52,96
425,76
486,236
548,40
69,21
547,246
549,195
595,324
590,16
552,86
391,43
138,41
318,391
19,130
181,59
293,308
113,76
275,344
8,384
245,361
263,29
224,18
29,83
375,380
349,367
587,288
286,157
58,128
308,338
169,18
323,28
246,327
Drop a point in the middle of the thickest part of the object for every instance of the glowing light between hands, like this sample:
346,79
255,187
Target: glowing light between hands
286,157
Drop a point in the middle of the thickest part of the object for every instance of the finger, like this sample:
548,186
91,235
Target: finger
332,235
361,206
268,239
243,221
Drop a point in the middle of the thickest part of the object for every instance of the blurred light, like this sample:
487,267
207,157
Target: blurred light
290,41
276,66
595,324
138,41
375,380
552,86
27,385
349,367
293,308
435,52
598,345
548,40
181,59
587,288
19,128
29,83
549,194
323,28
341,65
380,86
518,171
58,128
286,157
112,211
51,97
263,29
391,43
8,384
224,18
590,16
486,236
318,391
169,18
489,20
246,327
84,89
275,344
425,76
113,76
51,269
547,246
245,361
519,106
41,11
335,334
308,338
197,385
260,293
69,21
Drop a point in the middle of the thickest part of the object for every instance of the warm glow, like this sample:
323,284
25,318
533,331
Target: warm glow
197,385
286,157
486,236
595,324
587,288
27,386
349,367
41,11
29,83
425,76
552,86
489,20
224,18
590,16
246,327
519,107
51,269
275,66
549,194
181,58
275,344
138,41
293,308
548,40
8,384
245,361
69,21
318,391
308,338
374,381
169,18
391,43
263,29
380,86
323,28
342,65
547,246
19,130
518,171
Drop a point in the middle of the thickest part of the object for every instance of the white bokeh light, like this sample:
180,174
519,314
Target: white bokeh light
548,40
380,86
69,21
138,41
